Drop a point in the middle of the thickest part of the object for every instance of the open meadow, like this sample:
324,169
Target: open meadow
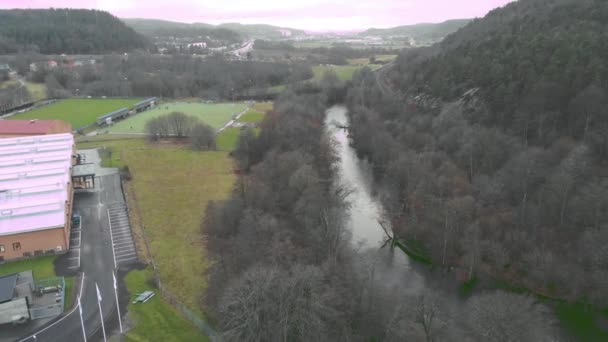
78,112
213,114
169,191
344,72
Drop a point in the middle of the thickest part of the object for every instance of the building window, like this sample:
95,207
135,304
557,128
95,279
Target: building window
1,248
17,246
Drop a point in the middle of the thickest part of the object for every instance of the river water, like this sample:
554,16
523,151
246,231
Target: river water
392,269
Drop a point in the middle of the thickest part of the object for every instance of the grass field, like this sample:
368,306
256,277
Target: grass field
42,267
262,106
172,186
156,320
252,115
215,115
78,112
365,61
344,72
226,140
36,90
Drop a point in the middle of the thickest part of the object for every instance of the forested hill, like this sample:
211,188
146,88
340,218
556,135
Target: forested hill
493,146
155,28
420,32
532,58
69,31
163,28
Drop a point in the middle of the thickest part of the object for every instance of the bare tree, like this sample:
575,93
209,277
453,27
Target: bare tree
202,137
503,317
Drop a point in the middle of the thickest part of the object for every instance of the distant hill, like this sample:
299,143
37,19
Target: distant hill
420,32
155,27
69,31
261,30
506,117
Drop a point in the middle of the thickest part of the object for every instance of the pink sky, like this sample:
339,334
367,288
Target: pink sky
305,14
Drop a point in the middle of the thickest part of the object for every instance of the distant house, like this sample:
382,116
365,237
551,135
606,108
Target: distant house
51,65
201,45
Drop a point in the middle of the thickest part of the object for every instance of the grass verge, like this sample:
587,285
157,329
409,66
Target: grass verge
171,187
156,320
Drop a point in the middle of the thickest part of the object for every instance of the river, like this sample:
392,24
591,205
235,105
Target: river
392,269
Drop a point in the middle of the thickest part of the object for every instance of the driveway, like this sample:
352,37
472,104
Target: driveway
97,258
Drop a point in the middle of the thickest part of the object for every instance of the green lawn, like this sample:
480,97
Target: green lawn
226,140
581,322
78,112
263,106
36,90
344,72
42,268
156,320
252,116
173,185
214,114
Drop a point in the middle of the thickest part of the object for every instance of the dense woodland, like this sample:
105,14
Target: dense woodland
492,147
283,265
422,33
66,31
168,76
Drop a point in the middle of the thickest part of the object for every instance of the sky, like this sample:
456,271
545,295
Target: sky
313,15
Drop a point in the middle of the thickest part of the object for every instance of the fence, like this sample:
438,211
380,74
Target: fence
54,309
166,294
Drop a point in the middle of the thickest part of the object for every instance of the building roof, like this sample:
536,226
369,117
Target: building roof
117,112
34,182
83,170
7,287
144,102
28,127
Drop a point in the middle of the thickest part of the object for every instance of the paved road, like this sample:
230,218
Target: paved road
96,262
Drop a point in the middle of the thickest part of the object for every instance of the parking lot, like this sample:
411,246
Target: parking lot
122,240
73,257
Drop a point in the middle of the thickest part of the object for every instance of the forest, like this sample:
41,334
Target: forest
284,268
491,148
66,31
166,76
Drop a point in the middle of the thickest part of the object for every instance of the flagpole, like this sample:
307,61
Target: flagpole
84,334
117,305
103,327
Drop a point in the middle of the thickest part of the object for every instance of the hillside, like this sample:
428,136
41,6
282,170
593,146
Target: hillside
498,161
260,30
163,28
69,31
154,27
420,32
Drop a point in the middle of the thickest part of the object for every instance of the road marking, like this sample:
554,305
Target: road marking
131,258
122,254
112,239
123,243
123,248
60,319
